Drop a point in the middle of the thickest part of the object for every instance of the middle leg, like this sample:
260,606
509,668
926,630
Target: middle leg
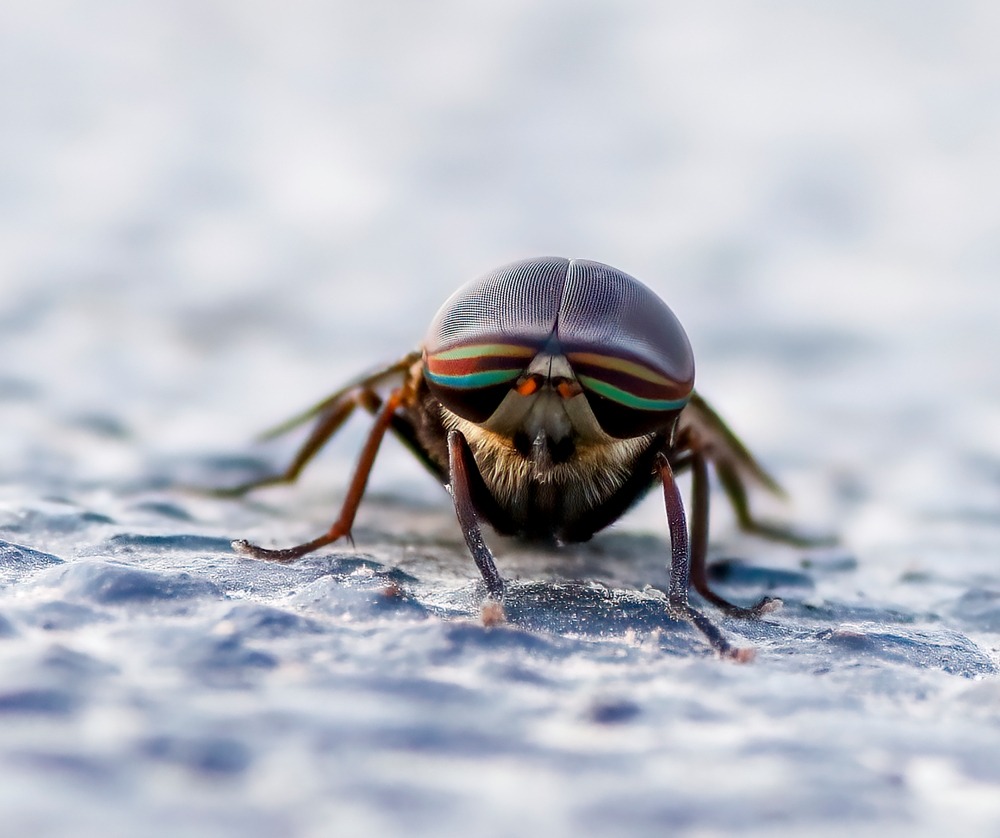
699,548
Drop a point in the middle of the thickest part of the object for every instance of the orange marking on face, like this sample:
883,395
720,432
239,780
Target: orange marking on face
528,386
568,389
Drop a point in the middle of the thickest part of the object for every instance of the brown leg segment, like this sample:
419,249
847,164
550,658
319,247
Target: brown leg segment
342,526
329,414
329,423
699,548
680,570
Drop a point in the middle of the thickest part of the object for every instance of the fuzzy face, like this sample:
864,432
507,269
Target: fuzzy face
548,465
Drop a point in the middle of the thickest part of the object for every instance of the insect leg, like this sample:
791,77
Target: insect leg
699,547
706,431
680,569
330,414
736,490
342,526
328,424
460,463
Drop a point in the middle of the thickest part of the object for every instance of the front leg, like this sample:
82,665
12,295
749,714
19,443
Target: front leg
680,569
460,464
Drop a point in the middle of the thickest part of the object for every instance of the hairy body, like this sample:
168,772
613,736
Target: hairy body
555,484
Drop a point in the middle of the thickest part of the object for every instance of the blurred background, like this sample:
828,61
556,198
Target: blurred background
214,213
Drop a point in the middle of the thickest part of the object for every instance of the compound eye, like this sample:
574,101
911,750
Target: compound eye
472,380
485,335
627,398
627,349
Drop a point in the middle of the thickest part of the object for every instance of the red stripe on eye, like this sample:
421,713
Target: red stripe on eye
468,366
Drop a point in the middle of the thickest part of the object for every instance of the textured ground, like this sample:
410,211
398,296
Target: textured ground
212,215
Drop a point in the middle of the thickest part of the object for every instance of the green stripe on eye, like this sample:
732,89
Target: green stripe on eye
616,394
474,380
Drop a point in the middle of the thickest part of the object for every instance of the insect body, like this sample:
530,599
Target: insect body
549,395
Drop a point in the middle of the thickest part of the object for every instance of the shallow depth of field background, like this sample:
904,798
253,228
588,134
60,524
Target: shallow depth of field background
212,214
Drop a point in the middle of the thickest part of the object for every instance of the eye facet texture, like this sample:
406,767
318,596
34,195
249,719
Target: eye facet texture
627,349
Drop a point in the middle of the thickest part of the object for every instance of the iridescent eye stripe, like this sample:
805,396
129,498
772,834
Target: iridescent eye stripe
611,362
629,383
476,366
486,350
602,388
